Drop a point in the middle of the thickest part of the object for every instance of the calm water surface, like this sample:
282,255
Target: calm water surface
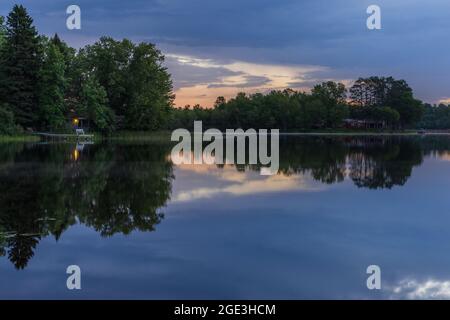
140,227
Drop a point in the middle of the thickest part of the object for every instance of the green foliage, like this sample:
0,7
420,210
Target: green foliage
52,87
333,96
381,91
94,106
313,113
435,117
67,52
110,60
45,82
138,87
20,64
149,89
7,124
2,32
387,114
383,114
3,79
287,110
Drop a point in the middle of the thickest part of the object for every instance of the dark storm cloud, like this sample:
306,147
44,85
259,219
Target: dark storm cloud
412,43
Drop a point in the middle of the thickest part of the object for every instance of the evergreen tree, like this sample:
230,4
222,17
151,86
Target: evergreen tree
21,64
7,125
2,31
2,57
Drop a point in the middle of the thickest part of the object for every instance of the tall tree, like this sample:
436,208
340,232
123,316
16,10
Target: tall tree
52,86
333,96
150,88
2,31
387,92
110,60
94,105
21,64
3,80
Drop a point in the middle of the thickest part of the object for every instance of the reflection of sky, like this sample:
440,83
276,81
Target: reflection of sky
205,181
288,243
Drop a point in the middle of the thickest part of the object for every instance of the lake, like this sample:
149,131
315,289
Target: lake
140,227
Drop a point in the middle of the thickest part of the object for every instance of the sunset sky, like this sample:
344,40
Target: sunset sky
218,47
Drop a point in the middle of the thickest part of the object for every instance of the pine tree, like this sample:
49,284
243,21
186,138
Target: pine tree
2,55
2,31
20,64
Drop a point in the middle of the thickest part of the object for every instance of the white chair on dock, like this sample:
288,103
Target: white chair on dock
79,132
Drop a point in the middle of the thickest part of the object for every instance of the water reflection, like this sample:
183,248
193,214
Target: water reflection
117,188
45,189
369,161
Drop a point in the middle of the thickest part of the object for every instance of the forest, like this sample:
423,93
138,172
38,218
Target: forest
120,85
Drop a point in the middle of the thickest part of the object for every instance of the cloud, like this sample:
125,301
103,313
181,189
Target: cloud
411,44
244,81
425,290
206,78
189,73
444,101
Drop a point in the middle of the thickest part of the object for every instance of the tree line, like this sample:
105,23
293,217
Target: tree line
44,82
377,99
120,85
436,117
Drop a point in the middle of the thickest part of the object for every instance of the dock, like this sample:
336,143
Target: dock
58,136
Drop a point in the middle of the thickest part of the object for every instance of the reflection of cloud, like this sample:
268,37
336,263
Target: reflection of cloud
445,156
429,289
227,173
230,181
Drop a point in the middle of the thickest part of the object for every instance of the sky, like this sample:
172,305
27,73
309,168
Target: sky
222,47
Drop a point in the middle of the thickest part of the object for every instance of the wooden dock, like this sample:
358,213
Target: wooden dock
58,136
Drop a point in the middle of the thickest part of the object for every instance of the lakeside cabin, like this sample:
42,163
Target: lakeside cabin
364,124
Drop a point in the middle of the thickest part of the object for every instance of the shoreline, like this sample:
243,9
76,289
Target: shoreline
19,138
158,135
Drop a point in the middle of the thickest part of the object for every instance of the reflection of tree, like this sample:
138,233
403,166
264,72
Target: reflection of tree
370,162
435,145
113,188
117,188
386,165
139,184
324,158
22,250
